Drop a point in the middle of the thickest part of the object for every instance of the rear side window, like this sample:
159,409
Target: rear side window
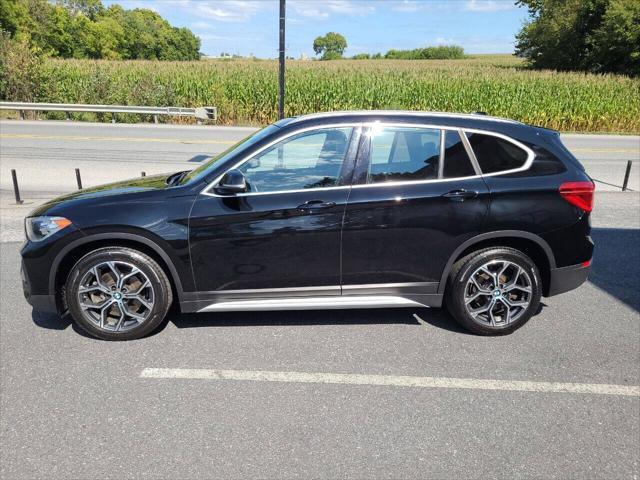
495,154
403,154
456,161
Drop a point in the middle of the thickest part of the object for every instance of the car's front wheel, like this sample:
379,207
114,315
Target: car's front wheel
117,293
494,291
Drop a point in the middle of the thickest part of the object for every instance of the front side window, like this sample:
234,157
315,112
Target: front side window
235,150
307,160
495,154
403,154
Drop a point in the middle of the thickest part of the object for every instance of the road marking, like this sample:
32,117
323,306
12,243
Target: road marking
391,380
420,321
605,150
116,139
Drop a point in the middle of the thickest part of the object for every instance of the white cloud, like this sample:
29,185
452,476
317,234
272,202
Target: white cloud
408,6
208,36
323,10
201,25
444,41
489,5
226,10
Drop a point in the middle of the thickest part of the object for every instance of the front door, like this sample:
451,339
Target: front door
417,197
281,237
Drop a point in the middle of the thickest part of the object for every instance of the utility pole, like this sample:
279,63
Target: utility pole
281,63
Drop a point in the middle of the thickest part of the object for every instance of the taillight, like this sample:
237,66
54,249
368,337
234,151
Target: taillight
579,194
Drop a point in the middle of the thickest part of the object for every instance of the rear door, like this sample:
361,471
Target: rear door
416,197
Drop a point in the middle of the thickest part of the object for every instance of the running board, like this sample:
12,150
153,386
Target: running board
311,303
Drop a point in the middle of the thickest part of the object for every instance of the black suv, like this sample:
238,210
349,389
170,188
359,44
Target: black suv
335,210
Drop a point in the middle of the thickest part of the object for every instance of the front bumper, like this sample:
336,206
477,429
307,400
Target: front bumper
568,278
41,303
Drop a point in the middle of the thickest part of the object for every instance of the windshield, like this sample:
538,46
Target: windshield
236,149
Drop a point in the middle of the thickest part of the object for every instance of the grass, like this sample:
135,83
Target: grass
245,91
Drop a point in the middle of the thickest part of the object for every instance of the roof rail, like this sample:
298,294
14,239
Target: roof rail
401,112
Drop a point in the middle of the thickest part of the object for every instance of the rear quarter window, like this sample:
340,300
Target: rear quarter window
456,161
495,154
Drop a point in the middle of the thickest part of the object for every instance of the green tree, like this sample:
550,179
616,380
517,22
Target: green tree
441,52
330,46
89,8
20,72
14,16
616,42
86,29
591,35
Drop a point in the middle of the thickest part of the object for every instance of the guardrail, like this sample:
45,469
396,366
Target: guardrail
201,113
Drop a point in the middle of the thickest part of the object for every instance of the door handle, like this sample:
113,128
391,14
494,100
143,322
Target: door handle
460,195
315,205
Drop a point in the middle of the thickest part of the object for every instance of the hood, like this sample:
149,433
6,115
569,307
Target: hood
134,185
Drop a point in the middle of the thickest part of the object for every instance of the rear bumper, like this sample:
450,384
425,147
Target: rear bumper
567,278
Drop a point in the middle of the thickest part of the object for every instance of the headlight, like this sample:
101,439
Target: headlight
39,228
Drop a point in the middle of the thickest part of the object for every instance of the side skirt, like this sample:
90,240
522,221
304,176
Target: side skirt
314,303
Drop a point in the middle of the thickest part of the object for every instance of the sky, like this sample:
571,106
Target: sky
250,27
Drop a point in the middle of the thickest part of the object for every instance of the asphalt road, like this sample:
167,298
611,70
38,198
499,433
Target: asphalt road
75,407
46,153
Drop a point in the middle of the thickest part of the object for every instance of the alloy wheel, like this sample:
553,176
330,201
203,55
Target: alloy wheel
498,293
116,296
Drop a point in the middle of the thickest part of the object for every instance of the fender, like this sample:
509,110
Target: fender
116,236
490,235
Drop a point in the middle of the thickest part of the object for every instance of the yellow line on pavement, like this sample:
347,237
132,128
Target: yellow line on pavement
606,150
115,139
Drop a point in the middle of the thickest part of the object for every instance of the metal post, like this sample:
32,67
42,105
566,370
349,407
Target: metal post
16,190
78,179
143,174
626,176
21,114
155,119
281,62
113,117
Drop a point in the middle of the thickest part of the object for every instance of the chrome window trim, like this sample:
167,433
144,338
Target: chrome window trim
527,150
461,131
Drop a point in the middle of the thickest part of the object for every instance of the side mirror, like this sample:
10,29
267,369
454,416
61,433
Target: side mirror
232,182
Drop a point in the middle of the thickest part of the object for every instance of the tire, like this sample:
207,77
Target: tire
470,301
117,293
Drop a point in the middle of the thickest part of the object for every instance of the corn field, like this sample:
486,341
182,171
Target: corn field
245,91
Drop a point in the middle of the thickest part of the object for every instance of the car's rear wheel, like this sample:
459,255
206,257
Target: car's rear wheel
494,291
118,293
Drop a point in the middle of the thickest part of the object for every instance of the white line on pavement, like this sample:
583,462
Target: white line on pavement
391,380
